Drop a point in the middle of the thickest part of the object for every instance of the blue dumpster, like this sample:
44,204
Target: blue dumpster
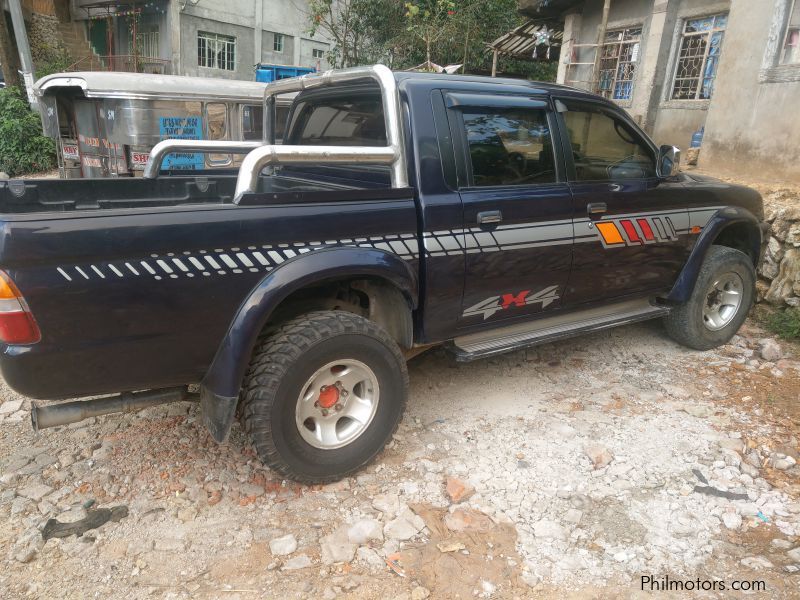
268,73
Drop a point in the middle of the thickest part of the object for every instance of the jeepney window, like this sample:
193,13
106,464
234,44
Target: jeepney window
339,122
216,122
252,122
217,129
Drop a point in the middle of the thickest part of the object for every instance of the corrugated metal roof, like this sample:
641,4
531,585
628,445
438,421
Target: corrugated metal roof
523,40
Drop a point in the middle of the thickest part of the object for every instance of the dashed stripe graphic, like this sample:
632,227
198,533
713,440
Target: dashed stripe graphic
220,261
632,229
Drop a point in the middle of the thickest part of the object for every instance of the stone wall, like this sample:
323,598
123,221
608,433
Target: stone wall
44,38
780,271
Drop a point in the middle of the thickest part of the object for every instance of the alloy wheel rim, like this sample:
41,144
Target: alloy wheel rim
337,404
723,300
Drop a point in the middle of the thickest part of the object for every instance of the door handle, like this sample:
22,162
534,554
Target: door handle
490,216
615,187
596,208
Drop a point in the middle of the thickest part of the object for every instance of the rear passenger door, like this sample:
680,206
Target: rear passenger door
631,226
516,204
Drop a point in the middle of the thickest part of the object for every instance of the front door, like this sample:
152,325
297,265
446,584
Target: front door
517,207
631,226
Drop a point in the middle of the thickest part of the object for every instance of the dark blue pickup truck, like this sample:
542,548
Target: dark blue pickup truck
403,210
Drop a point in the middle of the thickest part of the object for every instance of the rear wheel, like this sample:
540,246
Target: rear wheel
323,395
722,296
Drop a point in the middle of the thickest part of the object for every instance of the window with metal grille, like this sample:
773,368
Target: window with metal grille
618,58
791,41
147,44
216,51
277,42
698,57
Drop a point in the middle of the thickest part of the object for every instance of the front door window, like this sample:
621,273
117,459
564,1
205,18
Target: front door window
606,148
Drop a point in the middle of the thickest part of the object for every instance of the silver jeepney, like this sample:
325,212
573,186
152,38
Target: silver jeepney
106,123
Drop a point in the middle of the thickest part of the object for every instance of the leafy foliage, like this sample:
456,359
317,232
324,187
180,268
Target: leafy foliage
785,323
55,62
406,33
356,27
23,148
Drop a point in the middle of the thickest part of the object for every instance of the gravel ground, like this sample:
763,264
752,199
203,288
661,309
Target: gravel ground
568,470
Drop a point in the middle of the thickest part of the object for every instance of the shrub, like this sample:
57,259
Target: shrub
23,147
55,62
785,323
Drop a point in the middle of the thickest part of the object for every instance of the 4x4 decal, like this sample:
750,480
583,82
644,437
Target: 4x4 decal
494,304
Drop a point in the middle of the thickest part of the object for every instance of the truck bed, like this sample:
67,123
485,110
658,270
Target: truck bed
209,187
134,282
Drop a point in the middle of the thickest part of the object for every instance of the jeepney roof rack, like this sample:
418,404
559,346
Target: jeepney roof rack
146,86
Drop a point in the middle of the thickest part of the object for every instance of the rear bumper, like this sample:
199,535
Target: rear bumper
47,372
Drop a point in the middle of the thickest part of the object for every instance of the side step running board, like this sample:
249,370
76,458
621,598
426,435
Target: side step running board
548,329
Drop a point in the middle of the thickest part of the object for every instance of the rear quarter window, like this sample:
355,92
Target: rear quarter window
339,122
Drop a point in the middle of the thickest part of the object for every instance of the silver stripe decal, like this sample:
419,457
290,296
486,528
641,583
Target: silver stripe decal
210,260
228,261
64,273
98,271
243,258
164,266
116,271
180,265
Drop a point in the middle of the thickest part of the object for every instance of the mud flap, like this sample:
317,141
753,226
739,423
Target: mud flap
218,413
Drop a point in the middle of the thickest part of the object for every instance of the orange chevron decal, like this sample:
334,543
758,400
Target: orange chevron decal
610,233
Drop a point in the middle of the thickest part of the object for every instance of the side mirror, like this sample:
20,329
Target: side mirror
669,161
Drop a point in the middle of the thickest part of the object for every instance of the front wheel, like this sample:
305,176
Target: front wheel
323,395
722,296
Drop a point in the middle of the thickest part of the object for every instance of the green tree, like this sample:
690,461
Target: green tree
23,148
429,21
359,29
405,33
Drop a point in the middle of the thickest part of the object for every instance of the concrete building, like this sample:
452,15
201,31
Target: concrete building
208,38
731,67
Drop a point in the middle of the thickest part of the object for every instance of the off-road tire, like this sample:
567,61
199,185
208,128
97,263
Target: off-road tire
684,324
282,362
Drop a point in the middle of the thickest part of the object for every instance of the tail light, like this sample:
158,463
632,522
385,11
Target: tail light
17,325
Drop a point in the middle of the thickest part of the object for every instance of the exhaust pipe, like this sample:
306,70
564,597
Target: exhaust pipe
55,415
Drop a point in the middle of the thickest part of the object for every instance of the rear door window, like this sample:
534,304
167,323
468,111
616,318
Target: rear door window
509,146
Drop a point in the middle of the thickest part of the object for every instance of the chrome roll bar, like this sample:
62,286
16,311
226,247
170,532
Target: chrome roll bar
165,147
262,154
382,75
